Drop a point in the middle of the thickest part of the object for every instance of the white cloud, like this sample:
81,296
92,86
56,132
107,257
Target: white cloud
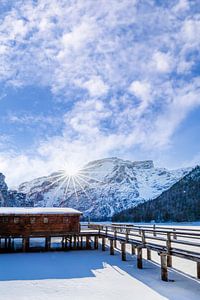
100,56
162,62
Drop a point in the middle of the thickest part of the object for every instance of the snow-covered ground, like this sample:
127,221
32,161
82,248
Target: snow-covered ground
92,274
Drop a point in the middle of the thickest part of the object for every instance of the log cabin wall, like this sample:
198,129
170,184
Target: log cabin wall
17,225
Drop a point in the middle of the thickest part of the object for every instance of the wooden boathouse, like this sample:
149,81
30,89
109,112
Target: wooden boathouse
46,222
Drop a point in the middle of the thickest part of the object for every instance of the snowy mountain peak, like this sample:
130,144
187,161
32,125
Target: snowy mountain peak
103,187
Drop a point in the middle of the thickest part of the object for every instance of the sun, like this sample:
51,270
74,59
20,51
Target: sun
71,170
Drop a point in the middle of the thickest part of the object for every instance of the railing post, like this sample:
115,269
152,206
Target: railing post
115,238
154,229
164,271
106,231
174,234
143,237
127,232
169,257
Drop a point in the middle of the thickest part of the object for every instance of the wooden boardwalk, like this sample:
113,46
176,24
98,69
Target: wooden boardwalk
168,242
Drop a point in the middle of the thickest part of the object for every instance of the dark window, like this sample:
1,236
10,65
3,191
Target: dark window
46,220
65,220
5,219
32,220
16,220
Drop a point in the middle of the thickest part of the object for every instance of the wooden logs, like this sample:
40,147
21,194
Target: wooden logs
168,243
112,247
103,245
148,254
198,270
132,249
123,251
139,258
96,242
164,271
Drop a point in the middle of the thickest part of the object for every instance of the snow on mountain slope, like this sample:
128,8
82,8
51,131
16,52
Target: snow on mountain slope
102,187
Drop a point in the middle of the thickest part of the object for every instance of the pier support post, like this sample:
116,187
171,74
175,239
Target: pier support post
70,242
132,249
96,242
139,258
25,244
112,247
198,270
88,245
47,243
164,271
81,242
123,251
103,243
148,254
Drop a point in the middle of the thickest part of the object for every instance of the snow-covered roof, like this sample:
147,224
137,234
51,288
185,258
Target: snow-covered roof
37,210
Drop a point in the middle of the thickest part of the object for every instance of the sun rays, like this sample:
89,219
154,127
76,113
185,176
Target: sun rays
73,180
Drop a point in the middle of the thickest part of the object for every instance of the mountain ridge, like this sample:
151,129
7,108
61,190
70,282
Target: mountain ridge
103,187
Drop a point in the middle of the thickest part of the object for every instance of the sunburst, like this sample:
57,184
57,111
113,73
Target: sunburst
75,178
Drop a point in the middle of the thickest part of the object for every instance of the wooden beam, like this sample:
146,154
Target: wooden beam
96,242
123,251
164,271
88,245
198,270
112,247
25,244
132,249
148,254
168,244
139,258
47,243
103,243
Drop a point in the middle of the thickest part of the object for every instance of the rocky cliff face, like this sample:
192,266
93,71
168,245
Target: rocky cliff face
10,197
102,187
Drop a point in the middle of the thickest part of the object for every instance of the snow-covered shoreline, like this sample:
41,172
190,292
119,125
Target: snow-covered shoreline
92,275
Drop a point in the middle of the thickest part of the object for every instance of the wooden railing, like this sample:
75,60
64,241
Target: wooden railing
166,241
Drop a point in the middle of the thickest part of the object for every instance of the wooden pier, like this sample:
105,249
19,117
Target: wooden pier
167,242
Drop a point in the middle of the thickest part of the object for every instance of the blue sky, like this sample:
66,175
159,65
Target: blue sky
82,80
